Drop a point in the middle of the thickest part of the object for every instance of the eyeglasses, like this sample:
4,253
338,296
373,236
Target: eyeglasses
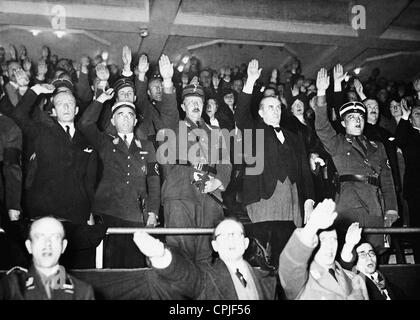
364,255
233,235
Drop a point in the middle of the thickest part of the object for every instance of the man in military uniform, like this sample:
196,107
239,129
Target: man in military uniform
46,279
367,193
197,170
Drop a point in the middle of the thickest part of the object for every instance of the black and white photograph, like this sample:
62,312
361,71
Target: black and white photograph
200,152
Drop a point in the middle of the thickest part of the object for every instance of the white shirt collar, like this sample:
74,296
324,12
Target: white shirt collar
129,136
71,125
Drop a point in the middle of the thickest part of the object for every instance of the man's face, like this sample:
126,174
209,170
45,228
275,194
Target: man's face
193,106
155,89
351,96
280,89
270,111
297,108
230,241
124,120
395,109
54,59
65,108
382,95
65,64
229,99
354,123
415,117
372,111
11,70
211,107
126,94
366,259
46,242
205,79
237,85
325,255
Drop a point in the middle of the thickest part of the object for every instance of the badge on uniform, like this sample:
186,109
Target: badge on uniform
348,139
88,150
388,164
373,144
30,283
115,141
157,168
143,168
138,143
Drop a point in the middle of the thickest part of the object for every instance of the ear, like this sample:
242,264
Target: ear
112,121
214,245
135,98
135,122
76,111
53,112
148,92
246,243
28,246
182,106
343,123
260,113
65,242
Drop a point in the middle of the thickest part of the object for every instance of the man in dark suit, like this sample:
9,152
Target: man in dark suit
46,279
61,171
229,278
363,261
408,139
279,182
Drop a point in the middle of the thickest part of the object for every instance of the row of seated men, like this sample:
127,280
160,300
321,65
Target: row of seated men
308,267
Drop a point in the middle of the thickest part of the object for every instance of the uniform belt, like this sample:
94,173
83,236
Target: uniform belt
200,167
360,178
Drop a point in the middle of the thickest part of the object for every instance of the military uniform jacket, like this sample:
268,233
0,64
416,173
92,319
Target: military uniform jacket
130,175
348,159
22,284
302,279
194,143
62,173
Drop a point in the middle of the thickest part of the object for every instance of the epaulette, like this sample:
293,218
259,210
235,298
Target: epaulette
17,268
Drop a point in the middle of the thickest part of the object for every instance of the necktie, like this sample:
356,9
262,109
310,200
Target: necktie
126,142
241,277
278,129
332,272
361,144
68,132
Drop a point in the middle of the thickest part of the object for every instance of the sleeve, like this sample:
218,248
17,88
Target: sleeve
83,89
387,182
401,133
294,266
243,117
21,114
12,171
87,125
168,108
328,136
144,108
153,181
224,167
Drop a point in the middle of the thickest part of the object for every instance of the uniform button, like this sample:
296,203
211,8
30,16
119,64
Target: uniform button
348,153
202,139
128,182
142,158
128,157
128,166
128,173
113,150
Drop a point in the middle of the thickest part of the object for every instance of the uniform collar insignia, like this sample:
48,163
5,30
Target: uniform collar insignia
373,144
138,143
29,281
115,141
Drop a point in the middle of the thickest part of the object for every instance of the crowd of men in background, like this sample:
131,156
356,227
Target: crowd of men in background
82,142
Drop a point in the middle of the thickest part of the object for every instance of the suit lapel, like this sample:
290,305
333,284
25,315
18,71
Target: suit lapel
224,281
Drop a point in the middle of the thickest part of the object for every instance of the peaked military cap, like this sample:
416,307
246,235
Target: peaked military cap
119,105
193,90
352,106
122,83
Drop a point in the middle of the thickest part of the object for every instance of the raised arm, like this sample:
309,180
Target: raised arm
294,260
324,130
243,117
87,123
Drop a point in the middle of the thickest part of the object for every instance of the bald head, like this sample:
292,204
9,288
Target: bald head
46,224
